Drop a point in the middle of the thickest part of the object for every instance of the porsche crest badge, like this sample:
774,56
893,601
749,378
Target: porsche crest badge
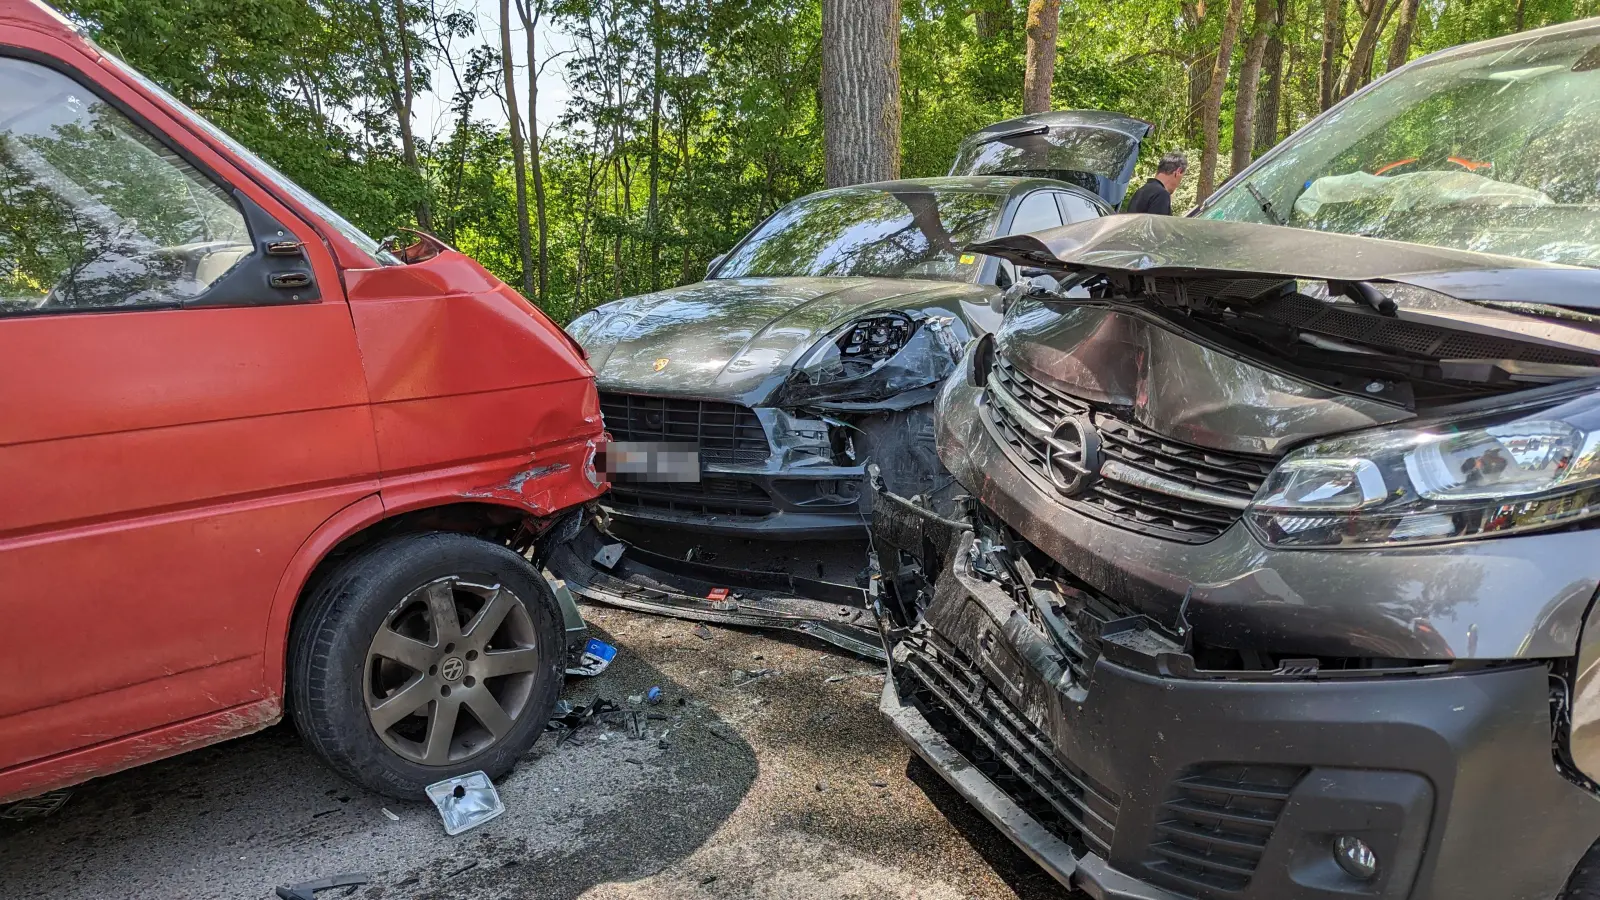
662,363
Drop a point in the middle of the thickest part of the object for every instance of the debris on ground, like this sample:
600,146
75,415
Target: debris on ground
466,801
389,815
596,658
568,718
36,807
307,890
702,632
653,696
860,673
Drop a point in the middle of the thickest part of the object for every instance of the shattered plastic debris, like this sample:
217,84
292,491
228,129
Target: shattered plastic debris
702,632
36,807
389,815
597,656
465,802
653,696
573,718
307,890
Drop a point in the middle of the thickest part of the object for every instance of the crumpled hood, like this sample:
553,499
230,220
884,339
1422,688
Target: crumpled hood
727,338
1175,386
1163,245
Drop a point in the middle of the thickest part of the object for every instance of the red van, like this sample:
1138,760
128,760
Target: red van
251,460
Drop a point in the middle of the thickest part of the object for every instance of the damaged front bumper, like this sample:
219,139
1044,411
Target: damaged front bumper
598,566
1128,773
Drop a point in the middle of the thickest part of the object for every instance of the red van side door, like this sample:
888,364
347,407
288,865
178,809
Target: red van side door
181,404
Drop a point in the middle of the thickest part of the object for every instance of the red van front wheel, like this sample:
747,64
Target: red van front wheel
426,657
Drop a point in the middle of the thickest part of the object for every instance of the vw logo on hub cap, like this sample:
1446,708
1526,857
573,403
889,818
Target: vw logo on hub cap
1073,458
451,668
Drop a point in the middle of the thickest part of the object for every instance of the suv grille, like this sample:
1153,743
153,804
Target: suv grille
706,497
726,432
1217,822
1009,749
1193,493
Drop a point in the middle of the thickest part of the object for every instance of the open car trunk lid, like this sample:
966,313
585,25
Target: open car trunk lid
1090,148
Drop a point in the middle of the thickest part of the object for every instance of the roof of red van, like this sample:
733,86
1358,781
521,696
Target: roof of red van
36,15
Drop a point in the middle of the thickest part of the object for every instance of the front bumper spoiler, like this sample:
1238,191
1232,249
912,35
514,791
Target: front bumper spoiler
1088,873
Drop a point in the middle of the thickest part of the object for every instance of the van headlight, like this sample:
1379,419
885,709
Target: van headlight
1472,478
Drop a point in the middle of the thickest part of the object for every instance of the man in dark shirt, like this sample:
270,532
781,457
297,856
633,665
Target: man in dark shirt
1156,195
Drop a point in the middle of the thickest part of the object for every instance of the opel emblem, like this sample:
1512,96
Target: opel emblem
662,363
1073,457
451,668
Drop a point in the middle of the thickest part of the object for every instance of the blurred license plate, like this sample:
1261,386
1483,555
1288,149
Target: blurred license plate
652,461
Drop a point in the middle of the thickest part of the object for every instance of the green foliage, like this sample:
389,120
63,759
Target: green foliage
714,102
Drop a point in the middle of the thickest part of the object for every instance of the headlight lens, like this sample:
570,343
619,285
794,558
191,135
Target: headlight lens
858,349
1472,478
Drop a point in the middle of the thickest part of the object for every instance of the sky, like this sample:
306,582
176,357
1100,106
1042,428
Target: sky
432,111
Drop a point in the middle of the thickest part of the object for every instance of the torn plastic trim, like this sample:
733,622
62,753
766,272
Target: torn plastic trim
644,581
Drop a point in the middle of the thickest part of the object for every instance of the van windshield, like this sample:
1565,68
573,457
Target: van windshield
353,234
1496,151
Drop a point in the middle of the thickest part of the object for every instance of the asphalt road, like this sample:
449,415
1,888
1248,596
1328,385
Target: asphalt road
783,784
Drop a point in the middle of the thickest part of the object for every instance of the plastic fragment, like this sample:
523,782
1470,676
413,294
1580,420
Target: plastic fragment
466,801
596,658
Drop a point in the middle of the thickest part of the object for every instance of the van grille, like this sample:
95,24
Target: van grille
726,432
1006,747
1216,824
1231,477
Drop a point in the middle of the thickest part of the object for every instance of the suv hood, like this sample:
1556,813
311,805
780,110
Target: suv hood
1163,245
737,338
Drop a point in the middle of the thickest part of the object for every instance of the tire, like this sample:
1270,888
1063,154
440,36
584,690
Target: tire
377,630
1584,882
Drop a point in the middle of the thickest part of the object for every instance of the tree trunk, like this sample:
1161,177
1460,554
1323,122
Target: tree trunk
651,209
530,11
1044,19
1211,116
1400,45
402,92
1197,69
1332,41
1272,90
1244,102
1375,14
514,123
860,90
993,18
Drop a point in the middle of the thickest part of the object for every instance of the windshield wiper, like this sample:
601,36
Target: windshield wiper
1265,204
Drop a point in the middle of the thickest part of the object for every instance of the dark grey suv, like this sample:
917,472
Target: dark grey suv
1276,577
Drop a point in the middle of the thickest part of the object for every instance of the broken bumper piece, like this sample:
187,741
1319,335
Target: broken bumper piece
637,579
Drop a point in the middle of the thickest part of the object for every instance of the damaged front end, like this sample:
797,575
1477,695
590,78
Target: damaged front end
789,462
1270,580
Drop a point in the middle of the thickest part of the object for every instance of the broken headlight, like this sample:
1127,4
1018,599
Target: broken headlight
1474,478
858,349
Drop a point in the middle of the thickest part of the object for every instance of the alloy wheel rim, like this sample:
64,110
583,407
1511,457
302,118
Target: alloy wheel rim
450,670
